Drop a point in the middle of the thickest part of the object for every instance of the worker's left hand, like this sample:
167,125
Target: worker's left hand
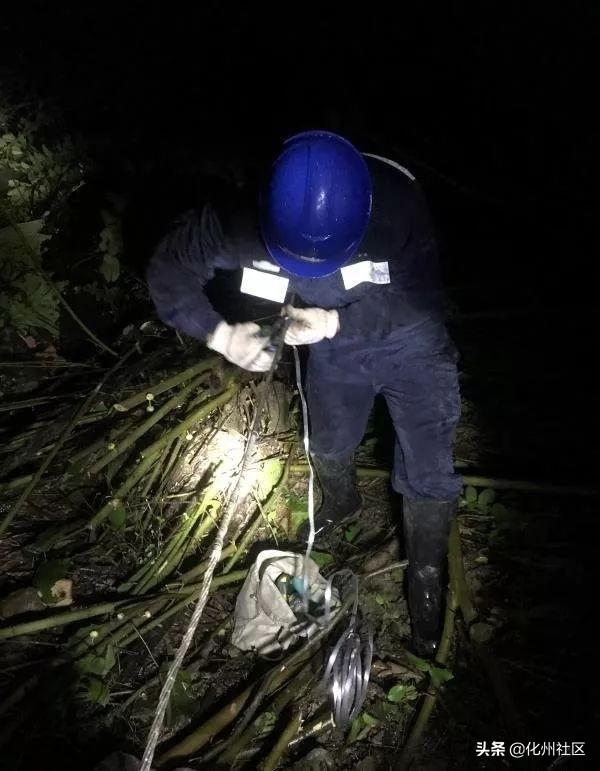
310,325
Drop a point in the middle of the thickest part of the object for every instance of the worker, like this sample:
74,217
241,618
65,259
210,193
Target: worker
350,235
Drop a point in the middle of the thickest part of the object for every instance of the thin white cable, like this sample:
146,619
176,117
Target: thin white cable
311,480
349,665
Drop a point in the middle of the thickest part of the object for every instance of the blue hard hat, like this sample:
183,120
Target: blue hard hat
316,208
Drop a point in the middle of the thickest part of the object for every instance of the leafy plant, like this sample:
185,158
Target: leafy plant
400,693
28,304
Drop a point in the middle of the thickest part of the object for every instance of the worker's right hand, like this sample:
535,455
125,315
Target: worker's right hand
241,344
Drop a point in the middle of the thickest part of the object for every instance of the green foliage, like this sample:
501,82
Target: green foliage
486,497
321,558
99,664
298,507
117,517
438,675
37,177
401,693
418,662
270,473
95,690
471,495
35,174
352,532
181,702
361,726
27,302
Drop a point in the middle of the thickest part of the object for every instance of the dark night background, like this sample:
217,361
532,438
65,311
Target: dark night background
493,107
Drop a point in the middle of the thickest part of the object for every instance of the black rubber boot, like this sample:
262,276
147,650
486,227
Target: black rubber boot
340,501
426,531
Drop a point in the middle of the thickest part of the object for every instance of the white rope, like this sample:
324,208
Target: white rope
165,693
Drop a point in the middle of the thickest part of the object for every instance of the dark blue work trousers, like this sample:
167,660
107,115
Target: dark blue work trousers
415,370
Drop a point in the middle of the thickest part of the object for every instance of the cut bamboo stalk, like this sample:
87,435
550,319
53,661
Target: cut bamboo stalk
191,420
429,700
272,681
268,506
137,473
274,757
15,484
368,472
119,447
194,593
58,619
165,385
175,550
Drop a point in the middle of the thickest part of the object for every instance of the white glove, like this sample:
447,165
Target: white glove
241,344
310,325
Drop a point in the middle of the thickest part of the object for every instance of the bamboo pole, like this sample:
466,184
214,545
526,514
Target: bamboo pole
289,732
429,700
57,619
165,385
371,472
190,420
142,468
119,447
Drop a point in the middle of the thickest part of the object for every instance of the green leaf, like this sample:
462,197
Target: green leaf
110,268
355,730
298,517
181,700
397,693
486,497
369,720
117,517
352,532
265,722
421,664
400,693
98,664
471,495
439,676
46,575
97,691
481,632
322,558
499,510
